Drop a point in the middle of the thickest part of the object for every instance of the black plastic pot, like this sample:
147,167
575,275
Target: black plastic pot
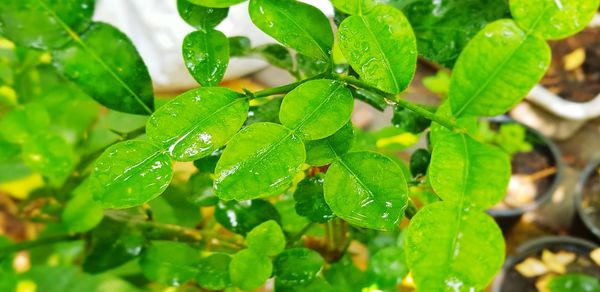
583,225
507,218
509,280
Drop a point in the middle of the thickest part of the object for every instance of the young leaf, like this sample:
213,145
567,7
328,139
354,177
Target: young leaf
104,53
266,238
241,217
206,56
21,123
326,150
310,201
249,270
130,174
50,155
213,272
261,160
200,17
22,21
317,108
170,263
553,19
381,47
297,267
449,246
217,3
297,25
198,122
367,189
496,70
81,213
456,168
355,7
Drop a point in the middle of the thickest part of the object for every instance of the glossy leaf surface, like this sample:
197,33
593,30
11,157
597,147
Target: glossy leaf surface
50,155
381,47
217,3
496,70
266,238
355,7
324,151
310,201
317,108
448,245
213,272
170,263
297,267
241,217
198,122
260,160
130,174
200,17
297,25
206,55
367,189
456,168
249,270
104,53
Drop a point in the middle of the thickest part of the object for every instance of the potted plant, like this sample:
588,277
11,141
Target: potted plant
587,191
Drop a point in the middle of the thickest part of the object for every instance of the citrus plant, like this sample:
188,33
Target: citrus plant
284,181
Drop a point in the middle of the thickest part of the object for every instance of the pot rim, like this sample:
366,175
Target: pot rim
579,188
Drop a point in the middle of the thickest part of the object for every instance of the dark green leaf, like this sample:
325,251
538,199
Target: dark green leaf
309,66
375,100
81,213
213,272
206,56
266,238
50,155
419,162
104,53
410,121
324,151
297,25
381,47
174,207
266,112
241,217
249,270
310,201
216,3
200,17
261,160
24,122
198,122
201,191
574,282
239,46
277,55
130,174
346,276
170,263
387,267
367,189
297,267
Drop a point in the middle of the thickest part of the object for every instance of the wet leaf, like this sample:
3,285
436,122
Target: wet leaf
574,282
249,270
324,151
130,174
266,238
261,160
310,201
381,47
297,267
170,263
553,19
200,17
22,123
297,25
213,272
217,3
317,109
355,7
241,217
367,189
198,122
104,53
206,56
50,155
81,213
449,246
479,85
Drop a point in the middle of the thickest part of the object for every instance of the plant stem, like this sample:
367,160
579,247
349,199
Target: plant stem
37,242
284,88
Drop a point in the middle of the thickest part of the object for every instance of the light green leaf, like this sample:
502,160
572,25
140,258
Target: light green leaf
206,55
261,160
44,24
465,170
496,70
381,47
241,217
216,3
266,238
105,54
200,17
50,155
81,213
249,270
170,263
310,201
367,189
355,7
198,122
297,25
387,267
21,123
297,267
213,272
317,108
324,151
130,174
450,247
553,19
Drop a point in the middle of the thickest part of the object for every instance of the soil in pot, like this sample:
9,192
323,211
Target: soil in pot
590,199
575,70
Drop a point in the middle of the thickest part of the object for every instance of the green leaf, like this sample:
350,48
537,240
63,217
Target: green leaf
324,151
553,19
317,108
198,122
266,112
387,267
170,263
8,276
381,47
419,162
22,123
130,174
261,160
345,276
310,201
239,46
276,55
217,3
297,25
200,17
309,66
451,246
202,193
241,217
291,222
173,207
355,7
409,121
456,168
61,278
213,272
206,56
50,155
573,282
297,267
367,189
22,21
81,213
104,53
496,70
375,100
249,270
266,238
